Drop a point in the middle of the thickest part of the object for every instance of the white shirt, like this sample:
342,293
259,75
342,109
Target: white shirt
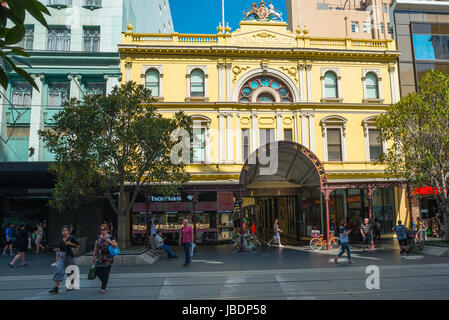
153,229
159,241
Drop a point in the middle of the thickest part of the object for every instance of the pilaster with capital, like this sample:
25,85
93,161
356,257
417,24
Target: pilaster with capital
279,127
254,143
308,68
221,138
228,82
229,138
312,131
36,121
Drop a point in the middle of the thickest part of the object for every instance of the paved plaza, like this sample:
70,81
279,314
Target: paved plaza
293,272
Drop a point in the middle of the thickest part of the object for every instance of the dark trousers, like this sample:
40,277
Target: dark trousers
103,274
345,247
187,252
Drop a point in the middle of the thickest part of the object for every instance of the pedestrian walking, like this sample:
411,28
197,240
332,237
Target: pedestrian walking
377,228
39,236
102,258
401,234
67,246
366,229
160,245
276,236
20,244
9,236
344,241
153,233
186,238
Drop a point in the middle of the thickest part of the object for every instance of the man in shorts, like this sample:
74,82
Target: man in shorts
401,234
9,235
366,229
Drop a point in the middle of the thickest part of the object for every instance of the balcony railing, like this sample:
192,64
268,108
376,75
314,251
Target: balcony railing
59,4
92,4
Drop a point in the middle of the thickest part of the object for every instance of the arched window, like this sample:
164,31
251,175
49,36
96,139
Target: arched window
265,89
330,85
372,86
197,83
152,82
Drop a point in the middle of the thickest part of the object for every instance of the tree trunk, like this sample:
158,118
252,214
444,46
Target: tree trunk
121,234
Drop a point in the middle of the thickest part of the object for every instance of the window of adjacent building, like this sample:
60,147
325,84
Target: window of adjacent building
288,136
160,10
93,87
367,27
91,39
27,41
334,152
372,86
92,3
58,93
390,28
199,145
330,85
197,83
152,82
58,39
385,7
355,26
59,2
266,136
382,27
245,144
21,93
375,146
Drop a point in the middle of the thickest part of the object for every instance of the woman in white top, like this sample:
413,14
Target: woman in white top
276,236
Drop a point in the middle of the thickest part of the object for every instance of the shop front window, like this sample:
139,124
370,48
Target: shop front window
383,208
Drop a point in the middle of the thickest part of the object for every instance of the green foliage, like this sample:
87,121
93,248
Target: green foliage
103,143
418,129
14,12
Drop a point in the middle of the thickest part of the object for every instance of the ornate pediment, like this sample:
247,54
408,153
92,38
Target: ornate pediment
270,35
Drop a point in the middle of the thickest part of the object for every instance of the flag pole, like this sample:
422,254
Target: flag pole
222,13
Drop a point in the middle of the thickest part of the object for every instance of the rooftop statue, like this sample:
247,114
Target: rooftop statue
262,13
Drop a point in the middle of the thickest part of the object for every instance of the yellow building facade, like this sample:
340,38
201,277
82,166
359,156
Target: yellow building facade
261,84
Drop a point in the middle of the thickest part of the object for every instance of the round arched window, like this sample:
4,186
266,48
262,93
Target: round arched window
265,89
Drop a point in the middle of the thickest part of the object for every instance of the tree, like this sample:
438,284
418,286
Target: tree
417,127
114,143
14,11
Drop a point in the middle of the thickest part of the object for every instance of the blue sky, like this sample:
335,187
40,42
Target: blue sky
203,16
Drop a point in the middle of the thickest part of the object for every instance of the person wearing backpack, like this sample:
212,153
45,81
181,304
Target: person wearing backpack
68,247
102,258
401,234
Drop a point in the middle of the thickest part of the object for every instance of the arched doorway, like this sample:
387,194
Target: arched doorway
290,189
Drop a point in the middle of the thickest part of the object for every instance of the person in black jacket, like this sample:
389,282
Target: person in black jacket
20,244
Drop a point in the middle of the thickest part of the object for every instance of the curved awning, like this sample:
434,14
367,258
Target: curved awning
283,164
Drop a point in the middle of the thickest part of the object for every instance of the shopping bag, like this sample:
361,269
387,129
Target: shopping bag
192,248
92,274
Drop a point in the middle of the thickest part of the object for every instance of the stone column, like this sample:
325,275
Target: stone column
238,140
278,127
128,66
309,82
312,131
369,193
111,82
229,139
207,143
394,93
295,128
326,201
302,85
220,67
221,138
75,86
228,82
304,131
36,123
254,142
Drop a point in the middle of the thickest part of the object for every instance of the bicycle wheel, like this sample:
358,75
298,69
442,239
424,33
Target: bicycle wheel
235,245
315,244
256,245
335,245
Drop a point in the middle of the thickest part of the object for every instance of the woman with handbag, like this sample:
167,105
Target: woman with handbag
102,258
68,247
20,244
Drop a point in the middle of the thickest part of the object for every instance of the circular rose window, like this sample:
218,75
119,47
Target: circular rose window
253,90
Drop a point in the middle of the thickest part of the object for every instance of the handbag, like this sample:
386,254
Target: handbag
92,274
113,251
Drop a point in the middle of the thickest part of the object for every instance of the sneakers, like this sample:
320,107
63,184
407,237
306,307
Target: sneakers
103,291
174,257
186,264
268,244
55,290
281,246
350,262
11,265
54,264
336,260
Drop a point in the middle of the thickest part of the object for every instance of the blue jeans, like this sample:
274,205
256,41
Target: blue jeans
169,250
187,251
345,247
